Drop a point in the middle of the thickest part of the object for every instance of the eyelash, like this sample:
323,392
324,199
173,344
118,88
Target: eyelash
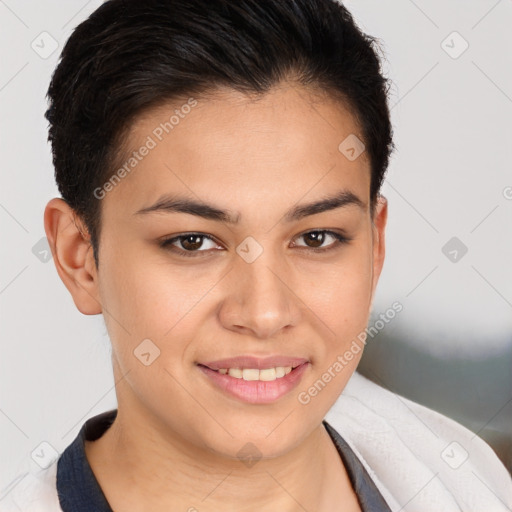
167,243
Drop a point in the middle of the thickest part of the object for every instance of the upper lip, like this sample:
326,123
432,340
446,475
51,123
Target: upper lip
260,363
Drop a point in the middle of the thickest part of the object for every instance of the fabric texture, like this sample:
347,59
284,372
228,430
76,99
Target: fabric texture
400,457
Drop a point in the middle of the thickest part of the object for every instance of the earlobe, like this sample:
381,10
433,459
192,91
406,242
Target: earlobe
72,255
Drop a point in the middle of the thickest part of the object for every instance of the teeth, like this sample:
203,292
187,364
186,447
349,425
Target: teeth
250,374
268,374
235,372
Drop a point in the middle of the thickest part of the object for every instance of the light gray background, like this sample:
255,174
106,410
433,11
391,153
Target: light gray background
451,346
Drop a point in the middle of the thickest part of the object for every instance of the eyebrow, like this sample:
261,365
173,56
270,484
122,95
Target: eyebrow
176,204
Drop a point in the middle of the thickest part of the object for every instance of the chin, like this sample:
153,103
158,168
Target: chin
265,441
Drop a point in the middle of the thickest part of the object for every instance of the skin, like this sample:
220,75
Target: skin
174,443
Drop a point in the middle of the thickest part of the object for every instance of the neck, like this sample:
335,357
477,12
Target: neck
140,467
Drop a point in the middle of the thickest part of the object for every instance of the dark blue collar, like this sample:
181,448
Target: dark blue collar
77,487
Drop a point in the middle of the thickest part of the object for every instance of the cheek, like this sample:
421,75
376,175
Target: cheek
156,302
147,299
342,296
342,303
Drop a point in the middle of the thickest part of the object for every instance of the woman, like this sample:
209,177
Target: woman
220,164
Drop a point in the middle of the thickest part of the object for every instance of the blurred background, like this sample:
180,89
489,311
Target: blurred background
449,247
449,188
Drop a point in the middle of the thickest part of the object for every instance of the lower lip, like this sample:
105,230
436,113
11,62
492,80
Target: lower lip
256,391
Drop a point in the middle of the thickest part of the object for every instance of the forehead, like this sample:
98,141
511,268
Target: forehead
230,146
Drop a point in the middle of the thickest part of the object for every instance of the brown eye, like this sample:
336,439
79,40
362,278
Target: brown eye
188,244
315,240
192,242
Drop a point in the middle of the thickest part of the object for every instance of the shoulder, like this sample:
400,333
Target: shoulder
419,459
33,491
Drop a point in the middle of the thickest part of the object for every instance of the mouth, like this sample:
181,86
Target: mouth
255,381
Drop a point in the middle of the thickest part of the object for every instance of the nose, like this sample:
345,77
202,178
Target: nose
260,300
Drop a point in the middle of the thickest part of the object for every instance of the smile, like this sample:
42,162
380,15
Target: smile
255,386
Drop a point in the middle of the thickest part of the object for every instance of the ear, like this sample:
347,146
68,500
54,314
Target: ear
379,240
72,255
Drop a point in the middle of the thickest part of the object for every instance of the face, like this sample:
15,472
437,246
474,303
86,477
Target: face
268,278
